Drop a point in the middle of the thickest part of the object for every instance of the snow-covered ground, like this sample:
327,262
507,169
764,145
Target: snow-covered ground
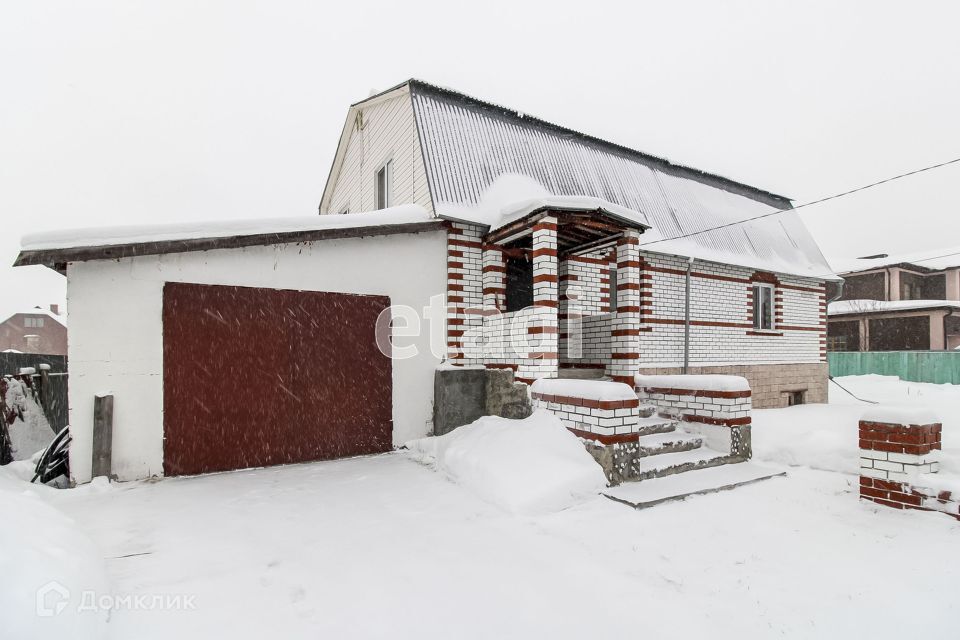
385,546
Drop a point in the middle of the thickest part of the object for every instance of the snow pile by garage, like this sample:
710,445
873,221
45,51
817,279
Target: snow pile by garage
43,549
525,466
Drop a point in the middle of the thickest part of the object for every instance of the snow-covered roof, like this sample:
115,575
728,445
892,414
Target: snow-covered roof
55,249
846,307
135,234
468,144
40,311
931,259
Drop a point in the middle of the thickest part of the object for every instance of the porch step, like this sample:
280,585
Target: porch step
641,495
650,425
668,442
582,373
667,464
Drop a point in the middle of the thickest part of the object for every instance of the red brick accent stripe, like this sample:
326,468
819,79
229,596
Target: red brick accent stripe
544,252
699,393
545,277
586,260
542,330
604,439
588,402
723,422
915,440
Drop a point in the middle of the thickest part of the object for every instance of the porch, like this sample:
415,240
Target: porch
561,295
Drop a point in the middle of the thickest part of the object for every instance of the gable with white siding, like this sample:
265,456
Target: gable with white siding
376,131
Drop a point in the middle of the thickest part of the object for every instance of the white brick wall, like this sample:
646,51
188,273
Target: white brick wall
721,333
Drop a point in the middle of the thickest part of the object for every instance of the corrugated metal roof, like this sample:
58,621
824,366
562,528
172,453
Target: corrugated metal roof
467,144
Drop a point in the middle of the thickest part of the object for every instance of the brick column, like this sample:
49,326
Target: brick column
464,291
625,325
896,463
494,279
543,361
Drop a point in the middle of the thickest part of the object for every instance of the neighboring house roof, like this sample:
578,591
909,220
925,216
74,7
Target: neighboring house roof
468,144
859,307
57,247
40,311
929,261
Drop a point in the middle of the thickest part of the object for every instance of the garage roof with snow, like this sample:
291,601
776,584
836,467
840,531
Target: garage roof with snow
55,248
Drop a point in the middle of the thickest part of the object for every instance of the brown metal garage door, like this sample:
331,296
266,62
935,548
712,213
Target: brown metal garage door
255,377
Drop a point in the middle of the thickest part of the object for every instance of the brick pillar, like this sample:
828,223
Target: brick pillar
464,290
542,361
625,325
896,460
494,279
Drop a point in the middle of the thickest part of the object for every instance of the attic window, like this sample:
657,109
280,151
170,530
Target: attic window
32,323
383,185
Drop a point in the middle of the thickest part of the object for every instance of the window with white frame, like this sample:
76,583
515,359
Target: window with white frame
33,323
762,306
383,185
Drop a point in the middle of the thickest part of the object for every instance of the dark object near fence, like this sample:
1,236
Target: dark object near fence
55,459
50,385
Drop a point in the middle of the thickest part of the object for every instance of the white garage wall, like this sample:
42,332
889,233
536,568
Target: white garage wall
116,332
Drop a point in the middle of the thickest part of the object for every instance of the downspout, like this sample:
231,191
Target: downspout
946,343
686,321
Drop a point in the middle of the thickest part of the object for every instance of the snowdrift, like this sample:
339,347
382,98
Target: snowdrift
528,466
41,548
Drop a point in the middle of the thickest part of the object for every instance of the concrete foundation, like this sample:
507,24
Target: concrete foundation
462,395
772,384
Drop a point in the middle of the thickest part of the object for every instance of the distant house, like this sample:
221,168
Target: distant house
35,330
892,304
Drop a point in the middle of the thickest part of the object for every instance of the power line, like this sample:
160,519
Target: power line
807,204
905,261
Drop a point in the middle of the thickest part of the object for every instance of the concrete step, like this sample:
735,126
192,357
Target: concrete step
647,410
584,373
668,442
652,425
649,493
667,464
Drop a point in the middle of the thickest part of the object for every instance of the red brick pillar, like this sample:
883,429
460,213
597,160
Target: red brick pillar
897,456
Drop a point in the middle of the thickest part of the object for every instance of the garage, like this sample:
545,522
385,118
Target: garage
256,377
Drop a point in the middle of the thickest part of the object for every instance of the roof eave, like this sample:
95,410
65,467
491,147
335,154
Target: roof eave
57,258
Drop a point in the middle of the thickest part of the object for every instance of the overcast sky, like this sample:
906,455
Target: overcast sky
117,113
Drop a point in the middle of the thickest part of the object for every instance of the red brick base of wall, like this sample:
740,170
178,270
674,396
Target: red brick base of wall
901,495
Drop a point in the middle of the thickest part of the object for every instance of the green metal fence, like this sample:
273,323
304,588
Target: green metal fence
916,366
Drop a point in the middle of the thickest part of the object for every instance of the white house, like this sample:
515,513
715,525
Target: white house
552,253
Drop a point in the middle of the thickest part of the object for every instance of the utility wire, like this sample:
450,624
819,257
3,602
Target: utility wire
851,394
806,204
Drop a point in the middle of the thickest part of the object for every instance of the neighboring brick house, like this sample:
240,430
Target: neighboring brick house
892,304
586,237
35,331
